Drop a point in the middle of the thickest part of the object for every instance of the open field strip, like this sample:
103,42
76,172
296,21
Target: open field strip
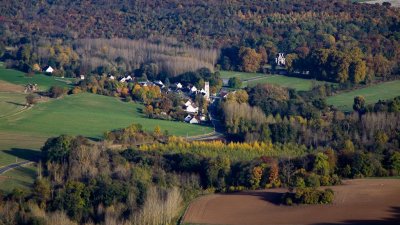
387,90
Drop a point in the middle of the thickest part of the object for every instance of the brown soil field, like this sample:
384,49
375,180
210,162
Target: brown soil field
8,87
357,202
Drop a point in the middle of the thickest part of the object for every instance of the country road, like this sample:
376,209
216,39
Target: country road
13,166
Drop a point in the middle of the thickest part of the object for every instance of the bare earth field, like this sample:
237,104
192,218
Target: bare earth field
363,201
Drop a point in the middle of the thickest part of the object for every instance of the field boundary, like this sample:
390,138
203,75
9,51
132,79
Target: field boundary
13,166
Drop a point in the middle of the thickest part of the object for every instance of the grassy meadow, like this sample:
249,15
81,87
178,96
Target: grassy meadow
43,81
24,130
387,90
89,115
252,79
83,114
21,177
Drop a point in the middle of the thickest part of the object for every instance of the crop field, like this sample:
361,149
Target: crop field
366,201
372,94
252,79
43,81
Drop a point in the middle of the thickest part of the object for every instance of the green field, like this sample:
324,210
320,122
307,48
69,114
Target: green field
89,115
252,79
22,177
290,82
372,94
43,81
241,75
11,103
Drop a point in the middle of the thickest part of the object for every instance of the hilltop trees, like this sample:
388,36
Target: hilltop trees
249,59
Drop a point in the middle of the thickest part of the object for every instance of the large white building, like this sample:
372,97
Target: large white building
280,60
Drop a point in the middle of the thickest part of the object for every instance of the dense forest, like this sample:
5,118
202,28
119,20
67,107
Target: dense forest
336,40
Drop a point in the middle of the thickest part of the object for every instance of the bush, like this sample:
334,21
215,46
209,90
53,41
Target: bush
31,99
327,196
325,180
312,180
56,91
289,201
235,82
76,90
335,180
300,183
314,196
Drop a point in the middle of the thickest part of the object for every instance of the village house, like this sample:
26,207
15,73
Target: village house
188,102
193,89
82,77
194,120
49,69
188,118
159,83
178,86
192,109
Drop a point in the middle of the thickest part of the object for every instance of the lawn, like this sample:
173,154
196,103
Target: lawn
21,177
372,94
43,81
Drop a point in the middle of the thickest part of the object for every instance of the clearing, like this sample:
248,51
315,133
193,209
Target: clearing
372,94
364,201
252,79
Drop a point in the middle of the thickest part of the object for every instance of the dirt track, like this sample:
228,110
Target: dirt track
367,202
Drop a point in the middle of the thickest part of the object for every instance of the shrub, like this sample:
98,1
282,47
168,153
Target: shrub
31,99
325,180
76,90
327,196
335,180
56,91
234,82
312,180
300,183
314,196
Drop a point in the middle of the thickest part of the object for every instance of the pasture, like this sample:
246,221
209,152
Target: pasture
242,75
366,201
344,101
89,115
21,177
252,79
24,132
43,81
